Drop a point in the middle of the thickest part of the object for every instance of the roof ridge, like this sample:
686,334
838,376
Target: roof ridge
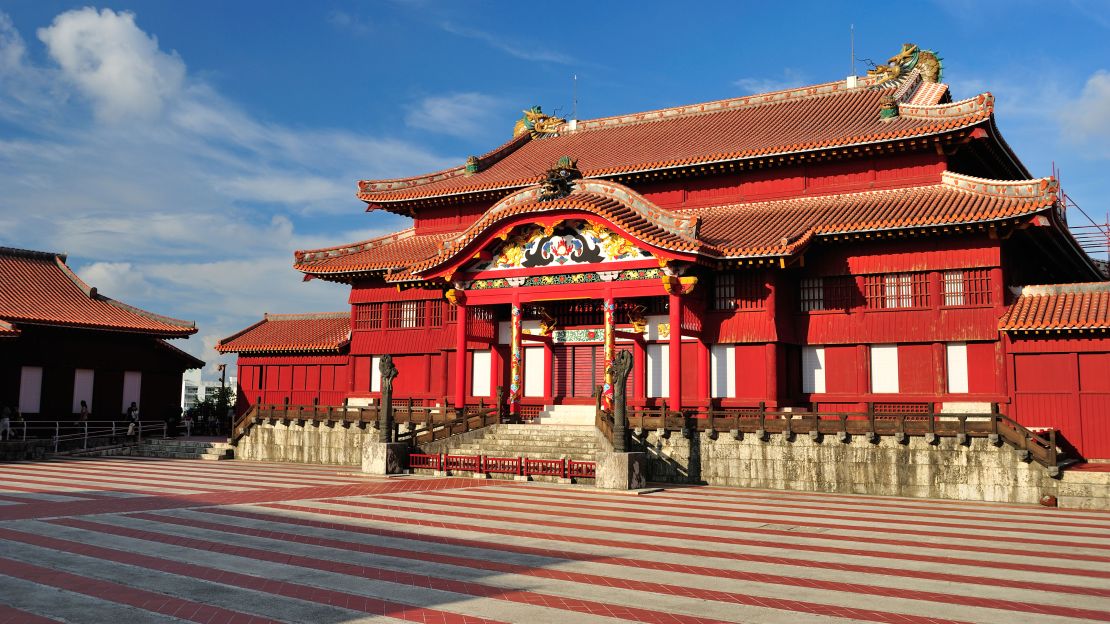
1034,188
161,318
31,253
1041,290
304,316
982,103
745,101
484,161
301,255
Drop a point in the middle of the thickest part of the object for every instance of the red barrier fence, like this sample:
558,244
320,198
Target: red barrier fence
518,466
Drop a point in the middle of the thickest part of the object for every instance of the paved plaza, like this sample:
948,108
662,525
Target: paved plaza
125,540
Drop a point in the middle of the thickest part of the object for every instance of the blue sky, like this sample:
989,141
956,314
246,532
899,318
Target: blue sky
180,151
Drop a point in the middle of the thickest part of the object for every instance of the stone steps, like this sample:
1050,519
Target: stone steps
184,449
575,442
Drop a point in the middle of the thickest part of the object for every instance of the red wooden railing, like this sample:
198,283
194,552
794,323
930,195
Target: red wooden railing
518,466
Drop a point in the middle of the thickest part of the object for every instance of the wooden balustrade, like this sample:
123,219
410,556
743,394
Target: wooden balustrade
1041,448
426,423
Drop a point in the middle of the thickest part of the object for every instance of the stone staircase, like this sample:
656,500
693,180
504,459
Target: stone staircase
567,415
577,442
183,448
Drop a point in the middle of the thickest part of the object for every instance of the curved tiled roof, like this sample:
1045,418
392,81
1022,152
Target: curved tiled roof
780,228
39,288
1057,307
620,205
799,120
734,231
326,332
394,251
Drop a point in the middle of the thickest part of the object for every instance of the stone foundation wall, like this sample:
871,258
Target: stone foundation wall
975,471
310,443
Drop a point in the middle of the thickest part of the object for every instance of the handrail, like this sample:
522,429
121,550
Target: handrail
60,433
761,421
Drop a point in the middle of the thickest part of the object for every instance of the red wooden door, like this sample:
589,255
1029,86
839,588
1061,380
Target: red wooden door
1094,404
1046,393
577,370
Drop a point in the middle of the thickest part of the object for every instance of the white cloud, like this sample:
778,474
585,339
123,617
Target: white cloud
113,63
519,50
1087,119
790,79
193,207
351,23
456,114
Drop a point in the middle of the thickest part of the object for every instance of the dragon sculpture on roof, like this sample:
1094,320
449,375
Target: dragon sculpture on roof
536,123
900,65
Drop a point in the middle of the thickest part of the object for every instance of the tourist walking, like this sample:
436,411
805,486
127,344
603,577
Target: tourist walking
6,424
132,419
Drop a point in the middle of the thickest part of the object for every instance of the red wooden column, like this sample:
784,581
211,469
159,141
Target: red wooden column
460,356
771,353
675,355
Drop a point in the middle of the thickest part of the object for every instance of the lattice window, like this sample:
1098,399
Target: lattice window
966,287
724,292
827,293
368,316
893,409
452,313
435,313
406,315
750,292
897,290
812,295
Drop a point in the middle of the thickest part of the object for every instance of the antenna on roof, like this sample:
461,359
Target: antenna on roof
574,107
852,47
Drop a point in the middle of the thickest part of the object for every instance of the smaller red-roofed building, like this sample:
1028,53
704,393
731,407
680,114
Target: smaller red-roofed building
62,342
294,359
1057,341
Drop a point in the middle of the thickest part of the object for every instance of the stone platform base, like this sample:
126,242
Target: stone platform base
621,471
382,458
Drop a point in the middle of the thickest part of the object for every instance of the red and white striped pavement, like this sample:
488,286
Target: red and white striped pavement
155,540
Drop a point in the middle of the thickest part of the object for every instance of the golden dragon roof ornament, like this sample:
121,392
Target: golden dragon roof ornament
900,65
536,123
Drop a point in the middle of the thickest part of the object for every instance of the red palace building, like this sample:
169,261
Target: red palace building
62,342
866,241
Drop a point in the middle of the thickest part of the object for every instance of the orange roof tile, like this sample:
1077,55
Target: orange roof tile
394,251
39,288
806,119
1055,307
7,330
780,228
326,332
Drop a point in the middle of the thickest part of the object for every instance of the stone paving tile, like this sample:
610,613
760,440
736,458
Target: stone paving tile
118,532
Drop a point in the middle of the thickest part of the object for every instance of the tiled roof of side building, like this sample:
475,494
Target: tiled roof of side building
799,120
39,288
1054,307
325,332
7,330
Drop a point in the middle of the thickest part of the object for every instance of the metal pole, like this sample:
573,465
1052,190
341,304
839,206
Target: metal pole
86,445
57,432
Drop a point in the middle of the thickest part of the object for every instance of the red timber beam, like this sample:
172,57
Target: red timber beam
458,299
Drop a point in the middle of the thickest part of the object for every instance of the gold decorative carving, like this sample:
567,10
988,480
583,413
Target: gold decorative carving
901,64
547,322
664,330
678,285
637,319
536,123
